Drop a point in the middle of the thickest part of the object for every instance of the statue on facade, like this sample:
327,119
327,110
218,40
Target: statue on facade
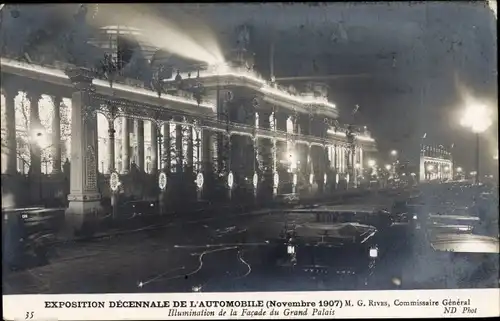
243,37
244,57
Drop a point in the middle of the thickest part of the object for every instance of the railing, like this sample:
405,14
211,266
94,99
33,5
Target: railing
117,78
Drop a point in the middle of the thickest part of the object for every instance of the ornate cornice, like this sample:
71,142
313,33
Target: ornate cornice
80,77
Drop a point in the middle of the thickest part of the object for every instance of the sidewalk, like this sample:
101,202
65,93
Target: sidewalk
160,221
154,222
116,264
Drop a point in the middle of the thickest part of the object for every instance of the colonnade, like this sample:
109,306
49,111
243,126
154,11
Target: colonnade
282,147
437,169
176,144
35,131
170,145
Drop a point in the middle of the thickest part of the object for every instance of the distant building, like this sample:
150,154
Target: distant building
436,163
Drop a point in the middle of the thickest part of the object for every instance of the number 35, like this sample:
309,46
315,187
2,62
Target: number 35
29,315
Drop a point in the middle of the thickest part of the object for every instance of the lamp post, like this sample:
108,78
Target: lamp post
478,118
394,155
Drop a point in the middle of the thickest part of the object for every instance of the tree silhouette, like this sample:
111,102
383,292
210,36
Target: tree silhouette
23,139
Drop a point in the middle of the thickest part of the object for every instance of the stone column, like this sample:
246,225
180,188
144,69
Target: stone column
206,150
421,173
361,164
125,146
139,134
273,125
189,152
84,198
296,127
35,133
178,148
167,148
342,159
56,135
111,145
10,94
334,157
347,153
337,158
154,147
309,165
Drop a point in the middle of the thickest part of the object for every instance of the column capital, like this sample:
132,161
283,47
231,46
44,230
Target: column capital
10,91
33,95
56,99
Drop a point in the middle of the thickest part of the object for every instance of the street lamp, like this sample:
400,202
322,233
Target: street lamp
478,118
371,163
394,155
459,169
388,167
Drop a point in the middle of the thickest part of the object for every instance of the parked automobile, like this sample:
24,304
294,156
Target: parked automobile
27,234
330,247
445,224
138,208
456,261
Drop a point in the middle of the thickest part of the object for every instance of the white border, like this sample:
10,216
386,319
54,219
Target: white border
383,304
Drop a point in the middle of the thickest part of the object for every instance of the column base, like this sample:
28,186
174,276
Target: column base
82,214
13,188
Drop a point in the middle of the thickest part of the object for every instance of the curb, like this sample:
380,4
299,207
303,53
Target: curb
152,227
178,219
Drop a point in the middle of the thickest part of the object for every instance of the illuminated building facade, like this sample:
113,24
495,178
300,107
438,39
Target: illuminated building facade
436,164
209,129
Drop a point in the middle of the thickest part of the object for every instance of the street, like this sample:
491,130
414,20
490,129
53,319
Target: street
229,253
120,263
159,260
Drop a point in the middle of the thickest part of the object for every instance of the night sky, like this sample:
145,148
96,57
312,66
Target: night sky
418,58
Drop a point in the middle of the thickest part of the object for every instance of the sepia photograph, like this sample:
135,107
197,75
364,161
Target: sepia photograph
249,147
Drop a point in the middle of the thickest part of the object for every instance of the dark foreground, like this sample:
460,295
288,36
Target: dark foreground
214,256
224,254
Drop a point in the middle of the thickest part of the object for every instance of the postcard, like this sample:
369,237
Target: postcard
249,160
